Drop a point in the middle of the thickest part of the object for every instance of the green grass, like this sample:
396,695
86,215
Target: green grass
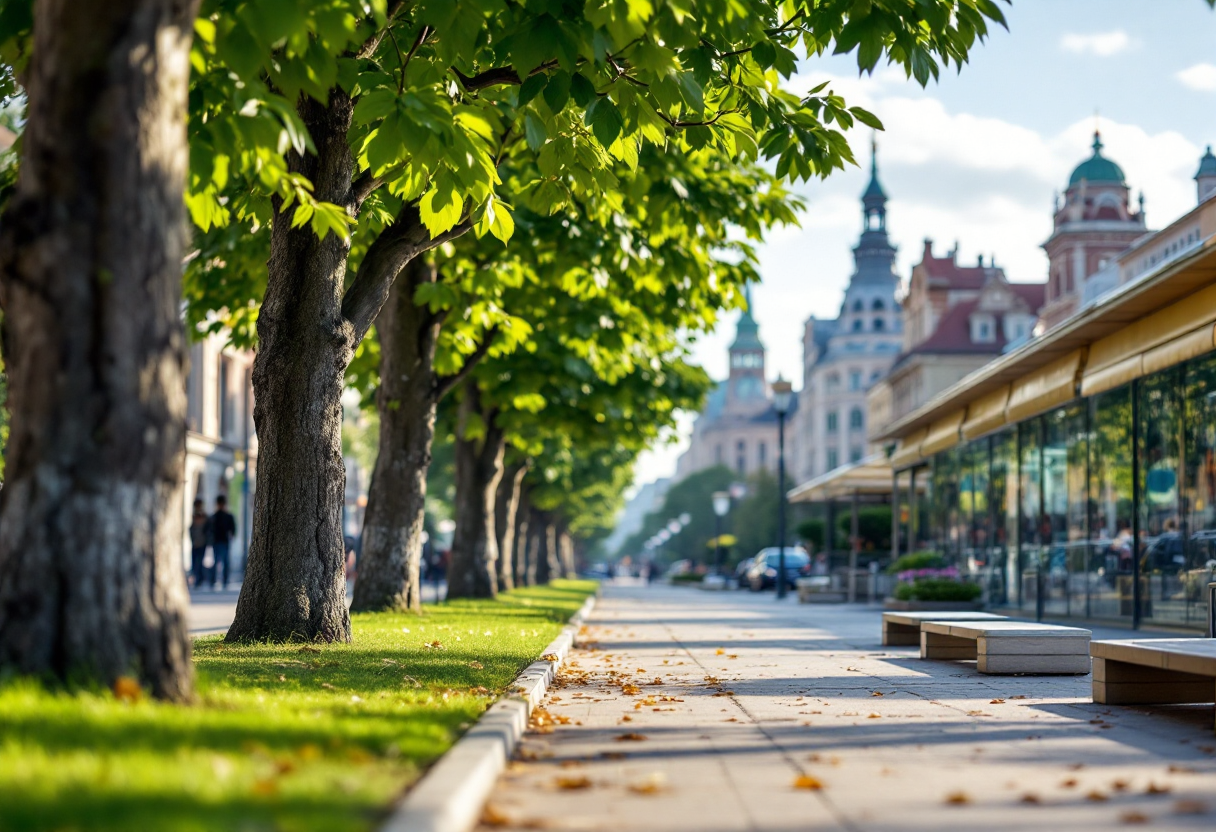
282,737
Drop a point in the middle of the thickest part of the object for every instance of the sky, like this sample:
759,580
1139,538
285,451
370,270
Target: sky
977,157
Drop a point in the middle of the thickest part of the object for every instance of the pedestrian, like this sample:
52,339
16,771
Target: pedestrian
200,528
223,527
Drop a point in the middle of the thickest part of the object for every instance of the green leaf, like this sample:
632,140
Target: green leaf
534,130
605,121
866,117
765,54
557,91
582,90
531,88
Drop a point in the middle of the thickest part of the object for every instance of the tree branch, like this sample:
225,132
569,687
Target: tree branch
397,245
444,384
677,123
497,76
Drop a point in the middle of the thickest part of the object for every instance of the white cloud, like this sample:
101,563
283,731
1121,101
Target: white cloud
1102,44
1200,77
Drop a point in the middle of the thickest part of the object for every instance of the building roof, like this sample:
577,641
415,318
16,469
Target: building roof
747,331
1097,168
1168,284
953,332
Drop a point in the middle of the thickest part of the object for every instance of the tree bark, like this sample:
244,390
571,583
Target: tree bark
294,585
566,551
506,510
548,566
391,554
91,580
536,545
522,539
473,572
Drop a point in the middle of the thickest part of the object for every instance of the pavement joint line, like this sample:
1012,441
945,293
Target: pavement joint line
451,795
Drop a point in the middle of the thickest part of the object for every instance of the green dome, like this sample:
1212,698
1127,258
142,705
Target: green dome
1097,168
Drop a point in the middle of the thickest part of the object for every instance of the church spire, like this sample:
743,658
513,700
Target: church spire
874,200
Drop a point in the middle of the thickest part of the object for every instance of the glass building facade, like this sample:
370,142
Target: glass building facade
1104,508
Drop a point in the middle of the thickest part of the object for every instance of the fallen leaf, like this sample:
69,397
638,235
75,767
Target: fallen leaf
492,817
1181,770
997,702
572,783
127,689
653,784
719,652
725,693
630,689
1119,785
1190,807
1133,816
613,755
631,737
808,783
957,799
551,657
1070,783
874,716
1153,788
877,693
626,718
1031,798
1096,796
307,649
476,665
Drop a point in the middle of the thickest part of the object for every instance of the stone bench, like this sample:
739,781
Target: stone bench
1006,647
903,628
1154,671
819,589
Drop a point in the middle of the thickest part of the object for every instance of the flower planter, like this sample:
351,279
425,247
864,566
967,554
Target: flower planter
931,606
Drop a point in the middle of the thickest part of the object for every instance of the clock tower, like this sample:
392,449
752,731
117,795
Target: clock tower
746,387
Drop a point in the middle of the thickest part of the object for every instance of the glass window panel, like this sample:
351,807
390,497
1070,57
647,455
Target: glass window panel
1004,515
1162,557
1031,532
1199,487
1110,505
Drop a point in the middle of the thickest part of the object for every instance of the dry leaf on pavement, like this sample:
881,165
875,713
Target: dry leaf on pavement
572,783
808,783
1133,816
631,737
957,799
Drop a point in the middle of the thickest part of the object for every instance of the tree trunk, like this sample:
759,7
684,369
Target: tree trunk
91,579
294,584
473,571
522,540
391,555
536,545
566,550
506,510
547,565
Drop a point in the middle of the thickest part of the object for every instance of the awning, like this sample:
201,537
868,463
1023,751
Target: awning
1191,345
943,434
1178,330
908,452
986,414
1051,386
872,476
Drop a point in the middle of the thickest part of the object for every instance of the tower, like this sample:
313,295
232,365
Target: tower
746,388
1093,224
1205,179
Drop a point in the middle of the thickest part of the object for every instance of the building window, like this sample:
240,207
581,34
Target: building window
983,329
832,384
761,453
858,305
879,324
857,324
856,420
855,455
741,456
833,459
854,379
833,424
878,305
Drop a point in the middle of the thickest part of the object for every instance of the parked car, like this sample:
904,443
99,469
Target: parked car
741,573
763,572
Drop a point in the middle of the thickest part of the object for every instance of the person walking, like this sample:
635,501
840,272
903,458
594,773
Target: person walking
223,527
200,527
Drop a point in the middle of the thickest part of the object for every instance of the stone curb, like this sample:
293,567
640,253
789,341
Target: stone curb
450,796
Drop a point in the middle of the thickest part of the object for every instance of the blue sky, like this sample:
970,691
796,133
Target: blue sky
977,156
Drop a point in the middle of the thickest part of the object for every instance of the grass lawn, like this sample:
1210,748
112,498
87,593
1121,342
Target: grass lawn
282,738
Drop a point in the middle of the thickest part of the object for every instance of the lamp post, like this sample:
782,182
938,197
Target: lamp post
783,396
721,501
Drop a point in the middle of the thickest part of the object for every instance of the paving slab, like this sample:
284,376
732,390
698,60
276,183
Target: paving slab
715,712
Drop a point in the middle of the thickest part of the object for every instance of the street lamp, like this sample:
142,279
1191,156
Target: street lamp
721,506
783,397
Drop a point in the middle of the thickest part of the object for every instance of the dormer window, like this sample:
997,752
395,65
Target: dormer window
983,329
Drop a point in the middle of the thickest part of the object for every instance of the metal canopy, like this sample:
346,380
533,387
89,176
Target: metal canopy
872,476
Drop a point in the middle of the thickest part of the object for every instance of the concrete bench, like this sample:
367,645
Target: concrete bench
903,628
819,589
1154,671
1004,647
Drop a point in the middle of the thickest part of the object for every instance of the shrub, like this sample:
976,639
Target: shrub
937,589
916,560
687,578
811,531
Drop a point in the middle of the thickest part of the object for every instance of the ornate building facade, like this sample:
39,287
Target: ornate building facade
844,357
738,426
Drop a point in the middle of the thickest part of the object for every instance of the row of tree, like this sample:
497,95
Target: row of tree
570,183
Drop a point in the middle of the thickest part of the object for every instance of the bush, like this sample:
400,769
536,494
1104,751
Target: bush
937,589
916,560
687,578
811,532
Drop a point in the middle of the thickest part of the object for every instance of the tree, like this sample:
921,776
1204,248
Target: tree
91,246
396,118
693,495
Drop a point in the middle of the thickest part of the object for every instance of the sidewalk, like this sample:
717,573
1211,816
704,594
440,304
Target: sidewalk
700,712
